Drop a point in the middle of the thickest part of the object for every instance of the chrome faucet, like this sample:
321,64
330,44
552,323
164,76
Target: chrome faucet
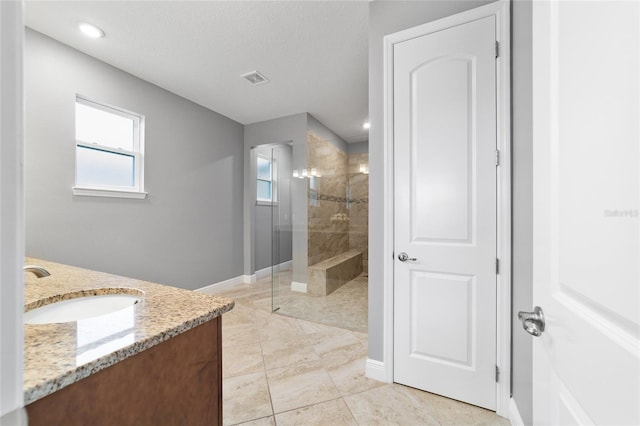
37,270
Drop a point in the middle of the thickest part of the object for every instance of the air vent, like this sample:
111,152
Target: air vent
254,77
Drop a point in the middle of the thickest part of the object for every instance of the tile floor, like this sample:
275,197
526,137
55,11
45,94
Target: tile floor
346,307
286,371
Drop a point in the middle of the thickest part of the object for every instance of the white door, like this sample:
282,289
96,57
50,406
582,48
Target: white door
445,212
586,154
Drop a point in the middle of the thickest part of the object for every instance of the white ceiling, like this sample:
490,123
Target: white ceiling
314,52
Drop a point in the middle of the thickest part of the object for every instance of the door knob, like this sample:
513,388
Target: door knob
403,257
532,322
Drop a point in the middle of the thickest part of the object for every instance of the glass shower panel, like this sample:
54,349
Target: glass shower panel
281,225
322,277
275,232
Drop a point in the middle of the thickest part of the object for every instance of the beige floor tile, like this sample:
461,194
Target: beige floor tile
350,378
241,360
246,292
388,405
239,334
335,351
318,333
333,413
282,352
272,326
265,421
364,338
346,307
264,304
448,411
245,398
309,365
242,313
495,421
300,385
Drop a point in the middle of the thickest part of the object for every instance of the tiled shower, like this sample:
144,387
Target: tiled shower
328,189
338,201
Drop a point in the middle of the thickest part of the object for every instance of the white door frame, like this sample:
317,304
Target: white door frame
499,9
12,214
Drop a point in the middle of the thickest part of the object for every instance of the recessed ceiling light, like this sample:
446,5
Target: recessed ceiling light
366,125
254,77
90,30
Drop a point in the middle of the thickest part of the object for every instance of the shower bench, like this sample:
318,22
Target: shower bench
330,274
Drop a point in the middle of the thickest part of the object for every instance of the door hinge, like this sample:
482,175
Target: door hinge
497,49
497,374
497,157
497,266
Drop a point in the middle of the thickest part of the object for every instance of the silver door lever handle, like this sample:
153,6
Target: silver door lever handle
533,322
403,257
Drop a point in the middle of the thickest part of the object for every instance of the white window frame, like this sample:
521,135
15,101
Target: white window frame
274,180
137,191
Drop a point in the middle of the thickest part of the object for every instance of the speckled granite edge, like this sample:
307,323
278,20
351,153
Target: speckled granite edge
51,386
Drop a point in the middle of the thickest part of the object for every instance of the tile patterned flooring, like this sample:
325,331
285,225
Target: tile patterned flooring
346,307
280,370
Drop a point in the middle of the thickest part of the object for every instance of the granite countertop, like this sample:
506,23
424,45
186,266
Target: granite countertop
57,355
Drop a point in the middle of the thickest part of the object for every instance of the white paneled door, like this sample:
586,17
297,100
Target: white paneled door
586,92
444,106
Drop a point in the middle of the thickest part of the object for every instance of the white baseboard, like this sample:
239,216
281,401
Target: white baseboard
17,417
299,287
247,279
375,370
286,265
263,273
222,285
266,272
514,414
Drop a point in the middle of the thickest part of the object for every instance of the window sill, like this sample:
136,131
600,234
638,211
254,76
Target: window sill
266,203
109,193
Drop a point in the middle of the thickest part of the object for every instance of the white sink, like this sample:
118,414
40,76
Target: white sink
80,308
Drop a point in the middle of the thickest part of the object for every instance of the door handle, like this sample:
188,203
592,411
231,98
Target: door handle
403,257
533,322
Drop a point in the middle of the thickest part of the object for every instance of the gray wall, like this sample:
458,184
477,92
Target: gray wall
522,196
278,217
291,129
358,148
387,17
324,133
187,233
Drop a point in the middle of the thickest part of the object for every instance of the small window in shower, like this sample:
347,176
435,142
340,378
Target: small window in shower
266,179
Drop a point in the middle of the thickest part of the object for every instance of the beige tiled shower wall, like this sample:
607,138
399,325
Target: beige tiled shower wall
338,201
327,207
358,207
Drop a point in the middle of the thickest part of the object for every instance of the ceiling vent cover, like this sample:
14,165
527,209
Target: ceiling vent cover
254,77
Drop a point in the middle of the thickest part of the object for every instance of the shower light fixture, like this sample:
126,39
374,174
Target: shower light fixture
90,30
305,173
366,125
363,169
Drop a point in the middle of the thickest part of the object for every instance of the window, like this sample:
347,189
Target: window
266,182
109,154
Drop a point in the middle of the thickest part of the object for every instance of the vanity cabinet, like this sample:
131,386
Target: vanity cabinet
176,382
